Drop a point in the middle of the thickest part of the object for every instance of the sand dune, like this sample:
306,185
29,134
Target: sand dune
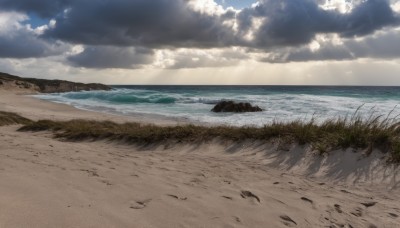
51,183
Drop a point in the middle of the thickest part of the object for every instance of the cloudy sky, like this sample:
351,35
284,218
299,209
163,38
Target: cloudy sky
315,42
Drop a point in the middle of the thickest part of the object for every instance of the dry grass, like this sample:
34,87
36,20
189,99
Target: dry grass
8,118
376,132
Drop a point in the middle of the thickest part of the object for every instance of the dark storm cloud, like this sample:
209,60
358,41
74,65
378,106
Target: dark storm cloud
105,27
380,46
26,48
112,57
165,23
292,23
23,44
44,8
153,23
368,17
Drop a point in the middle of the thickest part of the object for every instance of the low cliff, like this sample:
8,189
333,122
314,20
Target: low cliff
47,86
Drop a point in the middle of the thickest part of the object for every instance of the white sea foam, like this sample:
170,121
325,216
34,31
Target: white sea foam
196,105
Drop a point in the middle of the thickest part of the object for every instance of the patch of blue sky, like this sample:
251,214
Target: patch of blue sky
36,21
237,4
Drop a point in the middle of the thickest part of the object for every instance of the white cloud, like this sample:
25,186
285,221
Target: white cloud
207,7
11,21
199,58
396,6
343,6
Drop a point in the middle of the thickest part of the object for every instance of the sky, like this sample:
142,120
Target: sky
240,42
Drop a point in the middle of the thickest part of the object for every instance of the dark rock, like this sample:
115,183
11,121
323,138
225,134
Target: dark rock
231,106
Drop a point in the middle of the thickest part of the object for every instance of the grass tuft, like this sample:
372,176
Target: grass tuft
8,118
375,132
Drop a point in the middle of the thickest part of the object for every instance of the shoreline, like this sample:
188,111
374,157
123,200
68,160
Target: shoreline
149,118
218,183
194,107
34,108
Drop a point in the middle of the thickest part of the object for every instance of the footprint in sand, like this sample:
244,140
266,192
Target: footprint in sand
357,212
91,173
338,208
288,221
176,197
140,204
248,194
237,219
227,197
307,200
106,182
369,204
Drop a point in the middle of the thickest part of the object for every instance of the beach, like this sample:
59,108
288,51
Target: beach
48,182
199,113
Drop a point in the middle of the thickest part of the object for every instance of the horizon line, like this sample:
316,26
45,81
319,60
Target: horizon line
251,85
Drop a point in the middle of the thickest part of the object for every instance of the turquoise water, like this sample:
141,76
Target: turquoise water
282,103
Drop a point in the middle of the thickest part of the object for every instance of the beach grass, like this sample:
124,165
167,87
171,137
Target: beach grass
375,132
8,118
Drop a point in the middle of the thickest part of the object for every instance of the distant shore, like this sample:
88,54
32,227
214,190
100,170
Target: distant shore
55,182
8,81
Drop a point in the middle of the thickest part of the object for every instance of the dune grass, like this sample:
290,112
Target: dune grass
8,118
376,132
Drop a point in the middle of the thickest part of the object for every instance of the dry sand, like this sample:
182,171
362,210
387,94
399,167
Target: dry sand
51,183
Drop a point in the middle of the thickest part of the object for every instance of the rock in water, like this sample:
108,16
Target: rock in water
231,106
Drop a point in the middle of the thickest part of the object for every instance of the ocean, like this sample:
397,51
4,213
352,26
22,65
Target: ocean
280,103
